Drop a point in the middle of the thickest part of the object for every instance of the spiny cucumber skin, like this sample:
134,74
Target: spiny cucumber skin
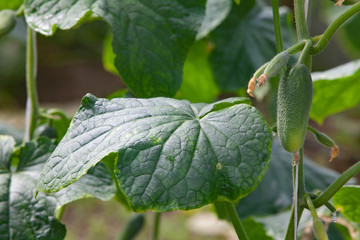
7,21
293,107
277,64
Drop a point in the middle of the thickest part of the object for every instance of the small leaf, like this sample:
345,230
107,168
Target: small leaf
151,39
216,12
244,42
169,158
335,90
7,144
274,193
347,199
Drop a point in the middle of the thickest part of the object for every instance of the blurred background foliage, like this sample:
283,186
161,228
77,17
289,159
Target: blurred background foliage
73,63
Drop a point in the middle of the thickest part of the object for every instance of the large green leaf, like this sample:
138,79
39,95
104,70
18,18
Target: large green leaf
244,42
216,12
198,82
171,154
151,38
347,199
274,193
23,216
335,90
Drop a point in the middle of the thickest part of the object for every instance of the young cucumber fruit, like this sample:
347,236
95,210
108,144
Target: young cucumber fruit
293,107
7,21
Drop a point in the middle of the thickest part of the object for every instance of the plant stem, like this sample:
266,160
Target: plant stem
295,197
335,186
156,226
300,45
221,210
240,231
300,20
333,27
330,207
305,51
298,207
311,207
277,26
260,70
290,230
32,105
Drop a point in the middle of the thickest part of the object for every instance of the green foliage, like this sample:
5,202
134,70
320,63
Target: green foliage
347,199
23,216
172,154
244,42
151,41
163,154
10,4
337,231
198,82
274,194
255,230
351,36
332,93
216,12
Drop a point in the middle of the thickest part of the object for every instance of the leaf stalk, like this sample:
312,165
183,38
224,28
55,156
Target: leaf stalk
32,104
329,32
239,228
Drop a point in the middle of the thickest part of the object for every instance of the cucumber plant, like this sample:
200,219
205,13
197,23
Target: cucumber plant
158,151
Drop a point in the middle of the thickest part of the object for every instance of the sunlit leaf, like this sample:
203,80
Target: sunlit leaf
347,199
172,154
335,90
